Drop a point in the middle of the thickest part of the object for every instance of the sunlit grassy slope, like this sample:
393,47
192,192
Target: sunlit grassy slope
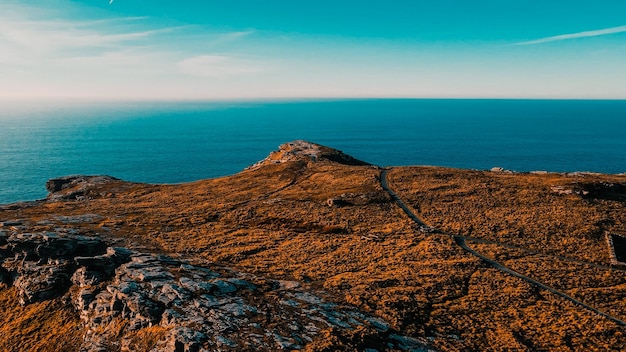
333,227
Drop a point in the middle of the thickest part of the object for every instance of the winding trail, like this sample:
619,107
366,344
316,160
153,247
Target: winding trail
397,199
533,252
461,242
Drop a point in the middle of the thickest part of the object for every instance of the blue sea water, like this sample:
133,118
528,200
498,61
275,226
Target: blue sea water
180,142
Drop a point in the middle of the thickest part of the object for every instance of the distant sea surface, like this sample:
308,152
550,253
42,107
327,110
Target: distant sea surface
181,142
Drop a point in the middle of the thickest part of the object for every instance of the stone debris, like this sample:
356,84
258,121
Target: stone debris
199,309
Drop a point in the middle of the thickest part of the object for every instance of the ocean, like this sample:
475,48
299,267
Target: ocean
187,141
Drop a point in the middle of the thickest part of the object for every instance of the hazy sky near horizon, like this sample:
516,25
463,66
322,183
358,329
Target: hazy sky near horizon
242,49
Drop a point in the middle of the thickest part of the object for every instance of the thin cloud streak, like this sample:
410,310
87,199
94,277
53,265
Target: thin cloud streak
59,36
216,66
586,34
24,39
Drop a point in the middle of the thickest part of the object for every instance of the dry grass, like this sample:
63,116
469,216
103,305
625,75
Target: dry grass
47,327
275,222
518,209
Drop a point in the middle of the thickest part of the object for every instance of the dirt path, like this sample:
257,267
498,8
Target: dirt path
461,242
533,252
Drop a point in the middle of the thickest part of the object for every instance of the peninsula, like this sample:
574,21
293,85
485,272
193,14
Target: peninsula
311,249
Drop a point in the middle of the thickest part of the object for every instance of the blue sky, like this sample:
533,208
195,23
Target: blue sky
165,49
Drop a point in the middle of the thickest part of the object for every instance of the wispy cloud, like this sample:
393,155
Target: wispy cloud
216,66
29,40
45,37
44,52
594,33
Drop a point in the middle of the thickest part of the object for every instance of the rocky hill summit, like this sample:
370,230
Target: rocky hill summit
301,150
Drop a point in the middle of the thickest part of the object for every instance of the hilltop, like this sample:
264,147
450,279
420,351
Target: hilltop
310,249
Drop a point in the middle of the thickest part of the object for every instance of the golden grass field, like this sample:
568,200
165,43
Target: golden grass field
276,222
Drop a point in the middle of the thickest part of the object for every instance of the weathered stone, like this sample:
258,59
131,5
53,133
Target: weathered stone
148,274
3,238
240,283
83,277
182,339
225,286
98,263
196,286
9,223
172,292
201,309
37,283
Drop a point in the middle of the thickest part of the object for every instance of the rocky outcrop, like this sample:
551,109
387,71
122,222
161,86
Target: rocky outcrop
306,151
74,187
40,265
119,292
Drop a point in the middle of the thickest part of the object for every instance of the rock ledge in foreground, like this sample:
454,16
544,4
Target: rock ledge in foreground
195,308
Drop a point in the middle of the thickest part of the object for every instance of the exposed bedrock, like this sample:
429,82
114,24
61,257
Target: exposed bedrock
119,292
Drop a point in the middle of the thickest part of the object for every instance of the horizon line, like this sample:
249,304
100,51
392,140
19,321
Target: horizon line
82,100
